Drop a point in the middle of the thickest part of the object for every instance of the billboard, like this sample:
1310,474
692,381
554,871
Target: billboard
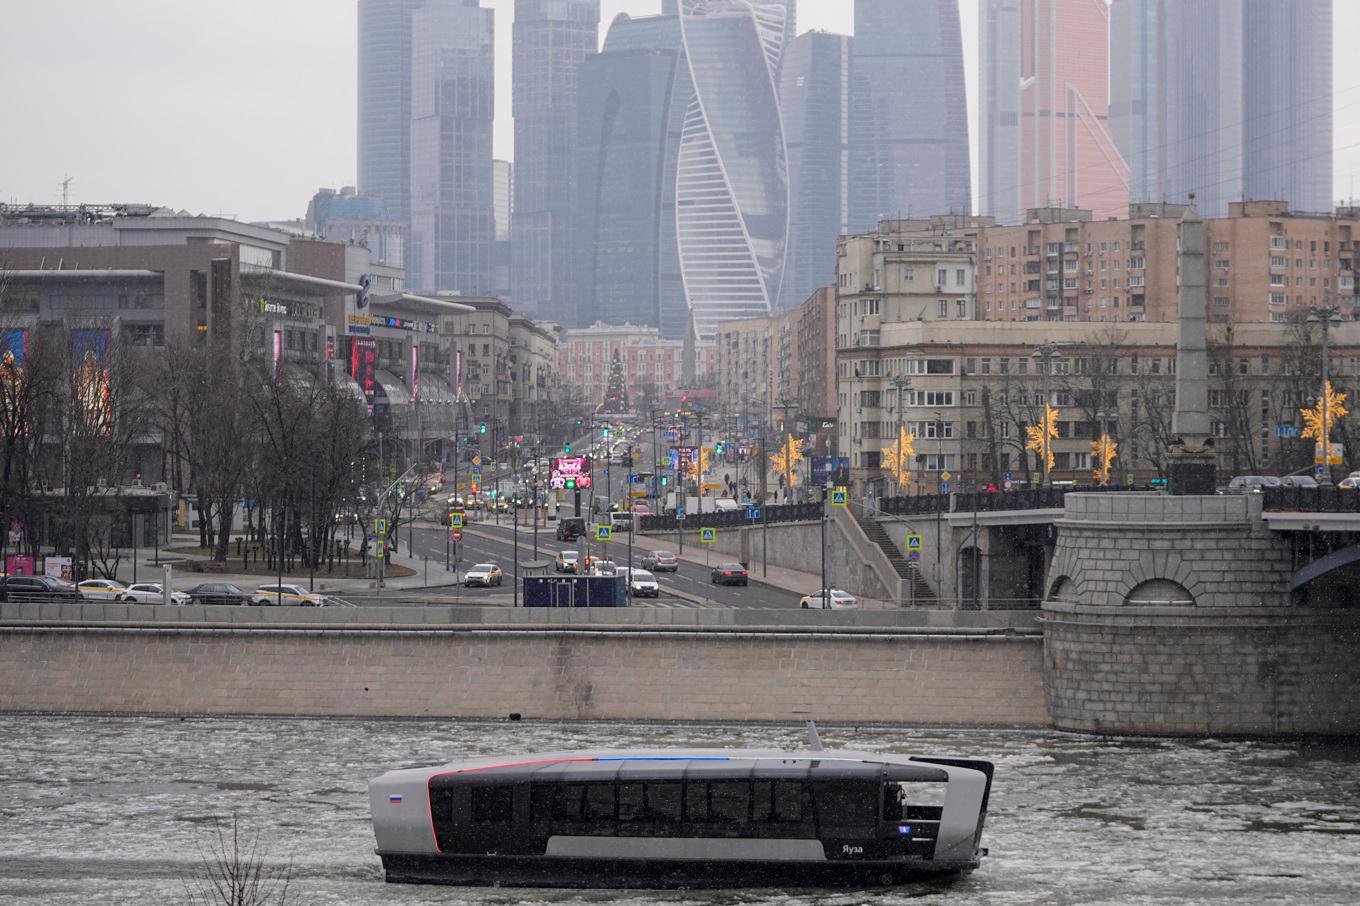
835,469
92,397
363,366
569,473
13,348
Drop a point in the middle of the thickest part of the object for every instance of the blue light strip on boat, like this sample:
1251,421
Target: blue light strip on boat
661,758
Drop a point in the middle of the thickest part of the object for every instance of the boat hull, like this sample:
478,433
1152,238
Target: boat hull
551,871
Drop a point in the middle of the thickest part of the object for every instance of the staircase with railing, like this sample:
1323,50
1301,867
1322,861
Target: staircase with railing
919,591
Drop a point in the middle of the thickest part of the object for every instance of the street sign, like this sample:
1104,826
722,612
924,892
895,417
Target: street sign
1034,477
838,497
680,516
679,512
1319,469
457,534
380,526
708,536
1333,454
1288,431
753,513
913,542
603,532
914,556
1007,477
944,487
456,520
476,460
378,548
944,476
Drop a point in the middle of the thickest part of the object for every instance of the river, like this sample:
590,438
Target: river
118,810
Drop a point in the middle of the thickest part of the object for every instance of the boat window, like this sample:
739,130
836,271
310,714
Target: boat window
599,804
632,801
729,802
663,801
785,801
846,807
491,805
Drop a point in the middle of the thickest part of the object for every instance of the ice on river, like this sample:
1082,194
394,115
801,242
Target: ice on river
117,810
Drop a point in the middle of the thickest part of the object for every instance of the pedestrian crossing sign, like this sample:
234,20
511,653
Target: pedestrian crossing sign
603,532
913,542
708,536
838,497
380,526
455,520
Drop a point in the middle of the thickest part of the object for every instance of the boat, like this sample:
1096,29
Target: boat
686,818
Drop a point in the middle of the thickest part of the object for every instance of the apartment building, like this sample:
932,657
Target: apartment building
654,368
758,367
967,391
1265,263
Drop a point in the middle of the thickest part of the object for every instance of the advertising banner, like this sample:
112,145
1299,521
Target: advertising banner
58,568
363,366
89,353
569,473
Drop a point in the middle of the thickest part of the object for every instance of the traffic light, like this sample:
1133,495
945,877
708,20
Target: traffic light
718,448
664,481
606,431
566,446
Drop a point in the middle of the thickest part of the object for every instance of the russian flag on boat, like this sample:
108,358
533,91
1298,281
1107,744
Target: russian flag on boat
394,798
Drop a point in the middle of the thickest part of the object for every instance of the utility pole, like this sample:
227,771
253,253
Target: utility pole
1325,315
826,591
1044,353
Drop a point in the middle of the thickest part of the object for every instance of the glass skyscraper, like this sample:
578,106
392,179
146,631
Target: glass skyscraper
452,94
632,98
814,98
1227,99
732,182
909,112
551,37
384,144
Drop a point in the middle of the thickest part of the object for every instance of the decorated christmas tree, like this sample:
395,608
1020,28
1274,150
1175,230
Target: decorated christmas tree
616,393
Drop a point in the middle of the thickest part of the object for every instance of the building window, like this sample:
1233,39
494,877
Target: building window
942,310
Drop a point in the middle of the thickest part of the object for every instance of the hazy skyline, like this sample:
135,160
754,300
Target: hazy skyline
247,113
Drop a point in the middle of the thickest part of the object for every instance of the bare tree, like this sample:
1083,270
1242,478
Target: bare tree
234,870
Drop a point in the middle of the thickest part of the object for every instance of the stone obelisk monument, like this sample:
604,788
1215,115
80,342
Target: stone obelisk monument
1190,468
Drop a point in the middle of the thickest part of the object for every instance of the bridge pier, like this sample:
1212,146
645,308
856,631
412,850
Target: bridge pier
1172,615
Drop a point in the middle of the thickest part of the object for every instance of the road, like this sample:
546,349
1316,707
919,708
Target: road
491,543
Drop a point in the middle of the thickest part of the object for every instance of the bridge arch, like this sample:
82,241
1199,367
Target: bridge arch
1159,592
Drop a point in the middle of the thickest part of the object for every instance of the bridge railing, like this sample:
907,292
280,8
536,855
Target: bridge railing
793,512
1311,500
994,501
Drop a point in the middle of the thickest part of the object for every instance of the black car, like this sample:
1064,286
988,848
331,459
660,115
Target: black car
217,593
729,574
37,588
571,528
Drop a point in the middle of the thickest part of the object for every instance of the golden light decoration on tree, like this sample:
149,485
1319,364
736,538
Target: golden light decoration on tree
785,461
1042,435
1103,453
1334,410
898,456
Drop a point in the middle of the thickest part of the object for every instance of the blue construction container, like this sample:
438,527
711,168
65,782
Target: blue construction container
575,591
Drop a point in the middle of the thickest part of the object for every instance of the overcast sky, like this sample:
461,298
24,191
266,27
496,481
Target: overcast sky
246,108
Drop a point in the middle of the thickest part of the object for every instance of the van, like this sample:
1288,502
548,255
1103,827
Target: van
569,528
620,522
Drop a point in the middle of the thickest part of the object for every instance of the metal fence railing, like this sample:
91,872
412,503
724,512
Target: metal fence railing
1311,500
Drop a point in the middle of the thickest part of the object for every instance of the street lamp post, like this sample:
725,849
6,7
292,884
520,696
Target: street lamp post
1325,315
1044,353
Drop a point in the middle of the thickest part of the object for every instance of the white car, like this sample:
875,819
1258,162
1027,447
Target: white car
837,600
483,574
152,593
641,583
287,596
102,590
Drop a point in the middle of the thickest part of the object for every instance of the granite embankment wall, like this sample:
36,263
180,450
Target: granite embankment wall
580,670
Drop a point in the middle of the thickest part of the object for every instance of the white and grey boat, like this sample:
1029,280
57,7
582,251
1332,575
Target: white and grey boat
652,818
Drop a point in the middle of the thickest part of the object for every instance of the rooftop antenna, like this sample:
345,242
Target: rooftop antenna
65,189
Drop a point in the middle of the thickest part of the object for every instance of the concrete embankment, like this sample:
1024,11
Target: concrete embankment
470,662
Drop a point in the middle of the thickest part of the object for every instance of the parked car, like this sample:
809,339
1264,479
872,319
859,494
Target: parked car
102,590
287,596
729,574
569,562
661,562
1298,481
641,509
1349,483
152,593
1252,484
570,528
642,584
829,599
483,574
217,593
37,588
